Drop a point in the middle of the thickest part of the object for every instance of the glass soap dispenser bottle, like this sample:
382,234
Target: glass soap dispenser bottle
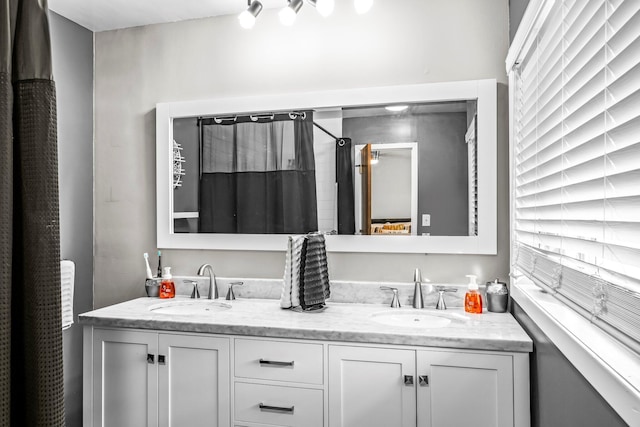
167,287
473,299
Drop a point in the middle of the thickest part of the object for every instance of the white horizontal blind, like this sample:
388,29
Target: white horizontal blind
472,160
577,160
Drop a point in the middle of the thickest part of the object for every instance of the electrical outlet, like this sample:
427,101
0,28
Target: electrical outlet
426,220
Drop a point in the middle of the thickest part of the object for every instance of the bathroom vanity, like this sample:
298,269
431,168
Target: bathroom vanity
250,363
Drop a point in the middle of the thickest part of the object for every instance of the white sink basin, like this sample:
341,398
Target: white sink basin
190,307
410,319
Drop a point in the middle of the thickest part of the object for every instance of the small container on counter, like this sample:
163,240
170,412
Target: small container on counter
497,296
152,286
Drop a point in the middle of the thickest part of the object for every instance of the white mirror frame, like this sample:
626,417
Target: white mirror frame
485,91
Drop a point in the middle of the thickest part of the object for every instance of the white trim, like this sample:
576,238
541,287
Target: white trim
610,367
485,91
536,11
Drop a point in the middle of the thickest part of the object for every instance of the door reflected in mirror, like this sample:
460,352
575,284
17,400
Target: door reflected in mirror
344,170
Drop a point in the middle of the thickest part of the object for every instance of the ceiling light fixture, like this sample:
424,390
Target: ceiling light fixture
248,17
289,13
362,6
396,108
324,7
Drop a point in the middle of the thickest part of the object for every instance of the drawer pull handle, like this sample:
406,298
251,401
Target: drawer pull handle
275,363
285,410
423,380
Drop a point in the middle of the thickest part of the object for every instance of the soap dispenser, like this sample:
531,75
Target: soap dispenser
473,299
167,287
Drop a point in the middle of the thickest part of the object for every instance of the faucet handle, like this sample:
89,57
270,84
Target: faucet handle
395,302
440,305
195,293
230,295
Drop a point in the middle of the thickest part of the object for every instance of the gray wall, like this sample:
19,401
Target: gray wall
397,42
442,162
72,49
560,395
516,10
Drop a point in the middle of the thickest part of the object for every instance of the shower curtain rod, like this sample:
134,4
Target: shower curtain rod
292,115
326,131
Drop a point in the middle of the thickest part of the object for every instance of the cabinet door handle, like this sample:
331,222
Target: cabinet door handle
150,358
282,409
423,380
408,380
275,363
161,359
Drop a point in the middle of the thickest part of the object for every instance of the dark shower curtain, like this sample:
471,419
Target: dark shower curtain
31,376
258,176
344,180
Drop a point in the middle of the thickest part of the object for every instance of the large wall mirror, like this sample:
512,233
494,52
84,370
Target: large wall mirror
388,169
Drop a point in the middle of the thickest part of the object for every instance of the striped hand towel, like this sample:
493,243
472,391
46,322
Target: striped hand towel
314,273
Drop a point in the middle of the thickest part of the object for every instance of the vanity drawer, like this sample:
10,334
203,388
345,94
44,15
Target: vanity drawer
279,361
277,405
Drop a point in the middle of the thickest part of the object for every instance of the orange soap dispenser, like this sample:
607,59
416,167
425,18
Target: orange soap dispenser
167,287
473,299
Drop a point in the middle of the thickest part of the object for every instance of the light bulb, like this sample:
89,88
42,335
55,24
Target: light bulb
289,13
287,16
248,17
247,20
325,7
362,6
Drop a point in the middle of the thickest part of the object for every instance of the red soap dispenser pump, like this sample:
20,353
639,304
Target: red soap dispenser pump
473,299
167,287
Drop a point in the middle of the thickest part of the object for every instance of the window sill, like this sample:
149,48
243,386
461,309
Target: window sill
610,367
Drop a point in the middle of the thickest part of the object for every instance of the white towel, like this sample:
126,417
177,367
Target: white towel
67,279
285,297
296,259
290,296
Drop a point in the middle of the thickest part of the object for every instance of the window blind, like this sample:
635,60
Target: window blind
472,162
576,160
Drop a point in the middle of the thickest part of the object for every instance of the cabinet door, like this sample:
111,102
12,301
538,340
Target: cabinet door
193,381
464,389
367,387
124,378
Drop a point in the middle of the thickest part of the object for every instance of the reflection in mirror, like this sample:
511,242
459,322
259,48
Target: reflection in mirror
209,143
386,189
293,172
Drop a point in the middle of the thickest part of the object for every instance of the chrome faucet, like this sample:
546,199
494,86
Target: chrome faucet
195,293
213,288
395,302
230,294
418,301
440,305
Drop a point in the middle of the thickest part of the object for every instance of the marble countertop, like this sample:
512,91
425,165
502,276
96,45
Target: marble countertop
348,322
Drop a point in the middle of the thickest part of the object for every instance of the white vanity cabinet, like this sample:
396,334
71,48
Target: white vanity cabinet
367,387
457,388
140,378
278,383
383,387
